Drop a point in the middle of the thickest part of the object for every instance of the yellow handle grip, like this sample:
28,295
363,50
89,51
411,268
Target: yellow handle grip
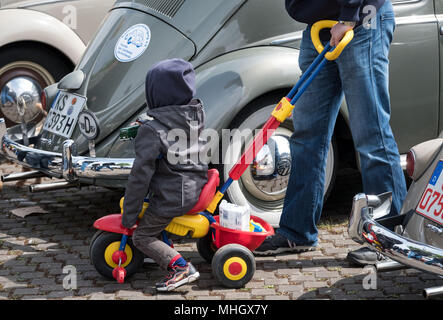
315,36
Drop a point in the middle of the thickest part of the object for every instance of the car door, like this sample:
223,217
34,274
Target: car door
439,15
414,73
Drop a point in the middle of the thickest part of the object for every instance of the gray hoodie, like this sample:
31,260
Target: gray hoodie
169,168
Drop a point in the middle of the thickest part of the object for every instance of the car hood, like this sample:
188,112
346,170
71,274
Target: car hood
130,41
115,65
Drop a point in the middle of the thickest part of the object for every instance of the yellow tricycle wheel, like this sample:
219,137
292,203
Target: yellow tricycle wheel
113,247
235,268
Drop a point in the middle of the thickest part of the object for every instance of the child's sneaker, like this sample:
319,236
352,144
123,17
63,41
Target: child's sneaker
178,276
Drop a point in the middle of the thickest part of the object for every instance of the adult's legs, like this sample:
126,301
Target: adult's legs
314,119
364,72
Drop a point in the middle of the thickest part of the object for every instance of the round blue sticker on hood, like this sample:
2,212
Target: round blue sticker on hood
132,43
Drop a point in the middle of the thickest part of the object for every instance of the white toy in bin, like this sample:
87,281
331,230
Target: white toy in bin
233,216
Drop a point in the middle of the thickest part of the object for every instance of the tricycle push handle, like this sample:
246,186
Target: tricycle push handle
284,108
315,36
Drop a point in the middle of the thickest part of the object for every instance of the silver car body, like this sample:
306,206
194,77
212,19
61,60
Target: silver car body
244,52
417,241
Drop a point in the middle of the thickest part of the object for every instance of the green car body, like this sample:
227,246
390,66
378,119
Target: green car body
245,54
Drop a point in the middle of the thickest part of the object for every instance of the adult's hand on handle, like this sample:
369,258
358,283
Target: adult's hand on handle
338,31
343,35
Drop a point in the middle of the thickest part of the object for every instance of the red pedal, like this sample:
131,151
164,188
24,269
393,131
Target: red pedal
119,274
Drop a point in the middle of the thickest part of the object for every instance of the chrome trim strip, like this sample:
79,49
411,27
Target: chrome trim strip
22,176
68,168
422,19
364,229
53,186
406,2
2,128
281,41
403,161
389,265
43,2
431,292
64,165
136,6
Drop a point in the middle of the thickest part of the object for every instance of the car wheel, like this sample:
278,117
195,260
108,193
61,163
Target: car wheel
24,72
264,191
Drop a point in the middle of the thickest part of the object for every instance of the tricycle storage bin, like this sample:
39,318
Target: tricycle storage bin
248,239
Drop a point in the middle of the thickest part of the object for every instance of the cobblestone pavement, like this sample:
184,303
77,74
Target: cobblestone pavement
35,249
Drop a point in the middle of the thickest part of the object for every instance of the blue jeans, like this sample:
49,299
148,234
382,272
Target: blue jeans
360,74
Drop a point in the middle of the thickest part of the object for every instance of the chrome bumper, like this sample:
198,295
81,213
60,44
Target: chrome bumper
364,228
63,165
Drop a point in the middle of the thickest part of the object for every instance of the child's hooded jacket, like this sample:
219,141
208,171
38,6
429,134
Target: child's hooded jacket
168,146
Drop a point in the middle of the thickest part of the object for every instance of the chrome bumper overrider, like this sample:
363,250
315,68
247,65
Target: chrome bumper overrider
364,228
63,165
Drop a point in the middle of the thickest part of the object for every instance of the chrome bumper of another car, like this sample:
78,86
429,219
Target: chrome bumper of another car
63,165
364,228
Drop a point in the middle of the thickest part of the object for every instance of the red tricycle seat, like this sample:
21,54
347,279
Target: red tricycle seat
207,193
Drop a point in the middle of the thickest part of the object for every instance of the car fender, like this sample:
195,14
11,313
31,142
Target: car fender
29,25
230,82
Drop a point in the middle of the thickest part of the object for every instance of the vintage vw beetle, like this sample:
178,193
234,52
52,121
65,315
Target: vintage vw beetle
246,58
41,41
418,238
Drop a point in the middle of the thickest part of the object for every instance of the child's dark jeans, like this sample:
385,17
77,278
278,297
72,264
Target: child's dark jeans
146,239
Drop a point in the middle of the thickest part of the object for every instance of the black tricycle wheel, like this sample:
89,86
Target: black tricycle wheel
233,265
104,244
206,247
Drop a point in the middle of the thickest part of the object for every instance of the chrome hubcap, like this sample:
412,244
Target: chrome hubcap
21,84
18,99
263,185
267,177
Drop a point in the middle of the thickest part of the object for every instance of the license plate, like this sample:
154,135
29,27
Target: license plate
431,202
62,117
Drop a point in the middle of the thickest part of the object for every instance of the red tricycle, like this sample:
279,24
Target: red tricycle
229,251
